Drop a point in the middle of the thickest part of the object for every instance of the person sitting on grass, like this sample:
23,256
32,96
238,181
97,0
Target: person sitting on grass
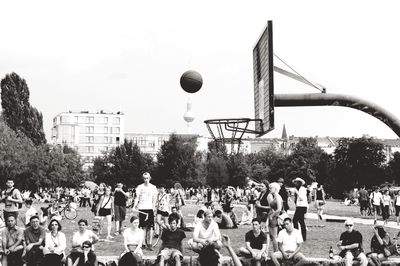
78,238
206,234
211,257
289,245
257,243
12,242
350,244
30,212
133,241
87,256
55,244
34,238
171,248
223,220
381,246
247,216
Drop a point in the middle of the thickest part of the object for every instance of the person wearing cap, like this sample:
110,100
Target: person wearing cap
301,206
350,244
284,194
145,202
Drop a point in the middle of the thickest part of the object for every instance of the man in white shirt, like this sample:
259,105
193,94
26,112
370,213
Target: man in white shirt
145,202
301,206
289,244
376,199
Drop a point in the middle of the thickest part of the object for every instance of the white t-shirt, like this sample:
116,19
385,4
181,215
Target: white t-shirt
212,233
386,200
376,198
302,197
78,238
133,238
146,195
29,213
289,242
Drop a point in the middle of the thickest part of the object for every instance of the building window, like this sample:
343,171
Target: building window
90,149
75,119
134,140
90,119
142,141
105,139
116,120
106,130
151,144
89,129
116,130
105,120
90,139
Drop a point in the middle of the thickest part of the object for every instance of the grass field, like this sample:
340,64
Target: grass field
320,237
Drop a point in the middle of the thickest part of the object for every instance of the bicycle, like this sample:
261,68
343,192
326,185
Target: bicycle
67,210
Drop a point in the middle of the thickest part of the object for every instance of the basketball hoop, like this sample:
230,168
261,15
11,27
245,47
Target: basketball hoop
232,130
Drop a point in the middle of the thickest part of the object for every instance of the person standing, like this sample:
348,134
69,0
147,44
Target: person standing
276,204
320,200
105,208
376,199
284,194
120,199
262,207
363,200
397,206
12,198
387,204
145,202
301,206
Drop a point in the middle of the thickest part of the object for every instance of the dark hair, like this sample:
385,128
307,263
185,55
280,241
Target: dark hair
12,215
381,231
133,218
174,207
200,214
255,220
217,213
287,219
174,215
10,179
87,242
28,201
209,256
34,217
54,220
83,221
172,218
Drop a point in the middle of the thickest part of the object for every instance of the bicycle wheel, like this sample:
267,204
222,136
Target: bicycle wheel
70,213
158,238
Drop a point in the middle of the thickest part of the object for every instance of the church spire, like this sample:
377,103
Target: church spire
284,135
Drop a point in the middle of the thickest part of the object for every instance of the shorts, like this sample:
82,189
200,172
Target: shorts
298,257
397,210
119,213
143,223
377,208
163,214
170,253
363,204
249,256
104,212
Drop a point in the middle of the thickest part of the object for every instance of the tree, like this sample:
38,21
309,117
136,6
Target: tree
261,165
18,114
393,168
237,169
304,160
359,161
177,161
126,164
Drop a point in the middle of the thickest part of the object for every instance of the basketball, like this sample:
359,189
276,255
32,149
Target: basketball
191,81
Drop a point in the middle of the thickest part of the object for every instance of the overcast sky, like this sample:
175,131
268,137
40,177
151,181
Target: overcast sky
129,56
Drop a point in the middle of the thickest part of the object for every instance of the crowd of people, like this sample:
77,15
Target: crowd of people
157,211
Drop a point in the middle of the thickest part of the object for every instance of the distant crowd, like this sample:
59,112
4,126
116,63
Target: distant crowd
158,212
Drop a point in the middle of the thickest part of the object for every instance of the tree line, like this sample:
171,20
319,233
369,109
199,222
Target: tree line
355,162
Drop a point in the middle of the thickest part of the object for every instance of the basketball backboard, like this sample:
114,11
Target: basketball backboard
263,70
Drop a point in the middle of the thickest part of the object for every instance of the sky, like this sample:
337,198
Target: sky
129,55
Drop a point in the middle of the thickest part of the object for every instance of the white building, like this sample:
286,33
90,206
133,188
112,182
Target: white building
90,134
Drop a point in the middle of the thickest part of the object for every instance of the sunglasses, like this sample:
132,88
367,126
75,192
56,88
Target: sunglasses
86,247
349,225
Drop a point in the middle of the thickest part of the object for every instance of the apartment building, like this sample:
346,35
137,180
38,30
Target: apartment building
89,133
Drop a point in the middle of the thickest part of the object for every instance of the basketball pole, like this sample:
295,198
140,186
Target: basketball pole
329,99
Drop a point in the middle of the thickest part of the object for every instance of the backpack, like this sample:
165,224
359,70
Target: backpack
10,194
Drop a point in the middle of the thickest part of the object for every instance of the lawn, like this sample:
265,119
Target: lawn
320,237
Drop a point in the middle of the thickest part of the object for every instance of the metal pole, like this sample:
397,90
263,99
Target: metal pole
328,99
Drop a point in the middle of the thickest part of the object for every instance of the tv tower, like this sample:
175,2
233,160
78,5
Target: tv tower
189,116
